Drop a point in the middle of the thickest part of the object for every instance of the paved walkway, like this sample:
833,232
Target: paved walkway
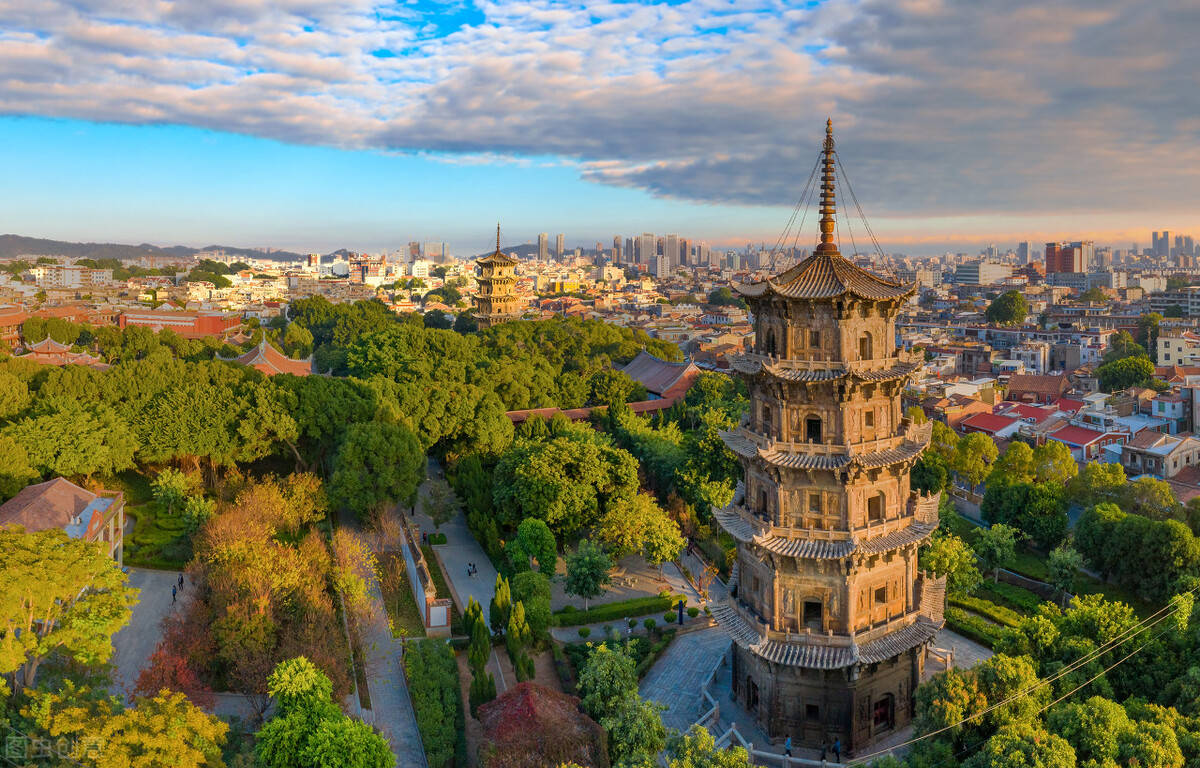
135,642
676,677
460,549
391,708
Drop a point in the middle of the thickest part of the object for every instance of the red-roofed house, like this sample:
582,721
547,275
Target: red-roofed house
1030,414
990,424
271,361
1085,444
1036,388
660,378
59,503
1069,404
189,325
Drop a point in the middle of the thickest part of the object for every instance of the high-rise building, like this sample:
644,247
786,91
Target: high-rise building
543,246
560,245
616,254
1024,252
671,251
831,617
414,250
435,252
1066,257
630,253
496,299
647,248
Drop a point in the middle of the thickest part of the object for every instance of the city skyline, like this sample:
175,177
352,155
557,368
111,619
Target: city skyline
313,126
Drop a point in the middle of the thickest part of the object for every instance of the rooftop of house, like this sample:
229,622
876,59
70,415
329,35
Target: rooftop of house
56,503
658,376
1073,435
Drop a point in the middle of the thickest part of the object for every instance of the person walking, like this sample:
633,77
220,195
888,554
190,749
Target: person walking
787,747
172,593
181,581
837,750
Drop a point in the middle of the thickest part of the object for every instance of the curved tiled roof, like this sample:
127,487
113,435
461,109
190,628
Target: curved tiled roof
814,656
747,365
826,275
497,259
746,448
658,376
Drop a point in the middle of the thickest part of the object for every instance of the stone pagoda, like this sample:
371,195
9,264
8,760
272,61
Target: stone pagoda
496,300
829,615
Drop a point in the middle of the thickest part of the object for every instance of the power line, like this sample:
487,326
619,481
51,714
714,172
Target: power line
854,197
1110,645
795,211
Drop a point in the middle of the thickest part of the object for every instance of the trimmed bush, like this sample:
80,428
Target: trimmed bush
649,624
1018,598
633,623
437,538
693,612
670,617
433,684
585,631
972,627
987,609
638,606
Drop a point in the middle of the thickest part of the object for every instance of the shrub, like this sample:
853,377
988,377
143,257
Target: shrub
633,623
670,617
585,631
693,612
638,606
433,684
1017,598
972,627
987,609
649,624
437,538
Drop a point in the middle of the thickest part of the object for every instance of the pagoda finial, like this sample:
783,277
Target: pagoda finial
828,205
497,237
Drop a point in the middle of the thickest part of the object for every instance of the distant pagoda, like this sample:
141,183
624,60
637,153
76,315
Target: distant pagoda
830,616
496,300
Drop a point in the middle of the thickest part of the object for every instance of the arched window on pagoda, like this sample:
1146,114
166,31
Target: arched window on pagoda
812,429
875,507
771,342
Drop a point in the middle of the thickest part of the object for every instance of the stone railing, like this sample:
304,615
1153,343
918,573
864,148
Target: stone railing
885,627
929,593
924,508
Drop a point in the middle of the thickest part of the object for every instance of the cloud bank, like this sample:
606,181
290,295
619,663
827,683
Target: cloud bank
942,108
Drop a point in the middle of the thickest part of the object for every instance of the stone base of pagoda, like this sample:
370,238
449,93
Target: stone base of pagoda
858,705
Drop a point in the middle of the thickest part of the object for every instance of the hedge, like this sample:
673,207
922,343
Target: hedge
972,627
437,702
987,609
1017,598
638,606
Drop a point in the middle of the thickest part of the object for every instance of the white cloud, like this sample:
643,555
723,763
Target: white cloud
941,107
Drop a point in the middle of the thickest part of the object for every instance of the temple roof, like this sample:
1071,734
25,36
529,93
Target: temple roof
827,275
271,361
659,376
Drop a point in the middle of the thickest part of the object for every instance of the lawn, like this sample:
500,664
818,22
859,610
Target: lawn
404,617
159,540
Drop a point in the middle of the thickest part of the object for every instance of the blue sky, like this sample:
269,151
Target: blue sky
317,124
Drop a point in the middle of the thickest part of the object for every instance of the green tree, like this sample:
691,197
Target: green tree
973,457
944,443
1094,295
996,548
439,504
1016,465
344,742
61,595
723,297
1009,308
14,396
1054,464
483,684
1038,510
930,474
1120,345
517,638
15,472
698,749
76,439
1064,564
1001,678
608,387
377,463
532,589
500,608
1097,482
946,702
663,541
947,555
534,542
1125,373
608,677
171,488
1023,746
1152,498
1147,331
636,733
588,570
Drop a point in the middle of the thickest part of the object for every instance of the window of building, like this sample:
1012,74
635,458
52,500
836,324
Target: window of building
875,508
880,594
869,418
813,612
814,503
814,339
763,504
812,429
812,712
771,341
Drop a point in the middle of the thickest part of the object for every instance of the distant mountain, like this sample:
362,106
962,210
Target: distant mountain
12,246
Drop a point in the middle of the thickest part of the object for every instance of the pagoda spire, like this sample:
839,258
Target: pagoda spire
497,237
828,206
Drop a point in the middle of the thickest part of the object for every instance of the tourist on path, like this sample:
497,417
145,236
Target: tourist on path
837,750
172,593
787,747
